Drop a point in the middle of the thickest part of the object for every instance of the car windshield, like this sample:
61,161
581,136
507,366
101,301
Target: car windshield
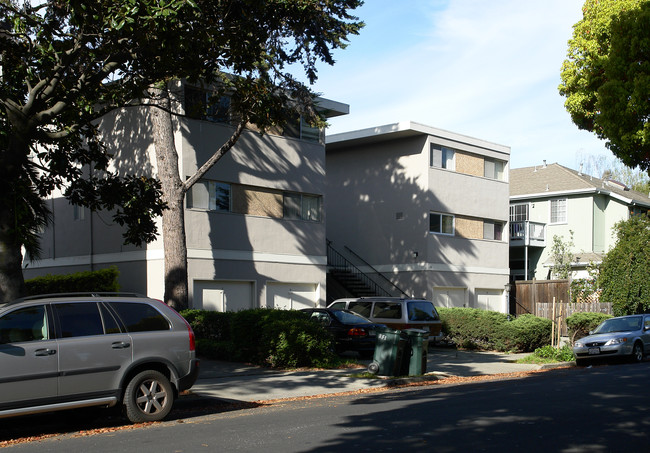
620,325
350,318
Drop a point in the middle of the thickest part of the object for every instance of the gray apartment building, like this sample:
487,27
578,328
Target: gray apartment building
255,224
424,208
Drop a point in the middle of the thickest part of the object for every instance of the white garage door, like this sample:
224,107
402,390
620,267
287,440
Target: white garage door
223,295
292,296
449,297
490,299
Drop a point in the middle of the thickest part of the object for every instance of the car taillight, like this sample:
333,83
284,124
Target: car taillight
357,332
191,332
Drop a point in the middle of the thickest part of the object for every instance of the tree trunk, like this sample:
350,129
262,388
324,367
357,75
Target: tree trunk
173,219
12,282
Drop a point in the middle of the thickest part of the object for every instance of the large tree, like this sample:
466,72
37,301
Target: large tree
606,77
623,274
68,62
65,64
251,71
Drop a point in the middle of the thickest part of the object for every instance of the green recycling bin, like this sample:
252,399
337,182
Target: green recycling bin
415,363
389,352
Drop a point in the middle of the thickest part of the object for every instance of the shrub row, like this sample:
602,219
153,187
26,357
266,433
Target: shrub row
103,280
276,338
580,324
473,328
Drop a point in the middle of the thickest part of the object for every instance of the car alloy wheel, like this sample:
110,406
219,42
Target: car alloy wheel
148,397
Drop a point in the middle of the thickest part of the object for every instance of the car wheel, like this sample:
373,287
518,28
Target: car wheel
149,397
637,352
582,362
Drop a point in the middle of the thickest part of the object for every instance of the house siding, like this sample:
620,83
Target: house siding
251,247
381,192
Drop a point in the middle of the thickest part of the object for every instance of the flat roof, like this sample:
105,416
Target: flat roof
405,129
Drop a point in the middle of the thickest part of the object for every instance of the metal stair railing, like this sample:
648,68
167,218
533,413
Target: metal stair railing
376,271
337,262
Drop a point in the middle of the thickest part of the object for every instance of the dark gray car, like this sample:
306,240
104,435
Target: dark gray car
62,352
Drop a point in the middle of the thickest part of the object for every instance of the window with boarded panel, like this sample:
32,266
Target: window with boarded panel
256,201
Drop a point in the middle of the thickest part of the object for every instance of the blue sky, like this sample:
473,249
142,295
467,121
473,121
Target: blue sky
486,69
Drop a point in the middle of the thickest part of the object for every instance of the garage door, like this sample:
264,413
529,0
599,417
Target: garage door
490,299
292,296
449,297
223,295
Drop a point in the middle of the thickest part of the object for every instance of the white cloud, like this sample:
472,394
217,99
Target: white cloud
484,69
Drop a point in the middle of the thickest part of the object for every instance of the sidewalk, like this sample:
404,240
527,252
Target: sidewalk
241,382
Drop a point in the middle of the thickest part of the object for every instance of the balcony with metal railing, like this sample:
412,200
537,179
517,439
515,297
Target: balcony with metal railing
527,233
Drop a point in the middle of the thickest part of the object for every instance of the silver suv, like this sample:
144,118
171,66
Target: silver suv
69,351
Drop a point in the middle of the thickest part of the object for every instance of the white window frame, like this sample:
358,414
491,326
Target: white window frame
553,205
514,216
442,157
442,223
297,206
489,229
494,169
203,195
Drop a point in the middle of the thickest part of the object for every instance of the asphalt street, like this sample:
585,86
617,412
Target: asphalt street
596,409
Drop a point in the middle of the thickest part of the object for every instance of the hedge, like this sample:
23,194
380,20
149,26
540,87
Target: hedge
472,328
270,337
103,280
581,323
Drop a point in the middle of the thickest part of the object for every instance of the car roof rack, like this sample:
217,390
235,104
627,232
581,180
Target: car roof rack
80,294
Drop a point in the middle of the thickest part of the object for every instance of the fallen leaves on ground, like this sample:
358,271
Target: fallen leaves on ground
192,406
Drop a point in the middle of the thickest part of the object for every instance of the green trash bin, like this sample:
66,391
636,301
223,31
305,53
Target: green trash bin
415,363
389,352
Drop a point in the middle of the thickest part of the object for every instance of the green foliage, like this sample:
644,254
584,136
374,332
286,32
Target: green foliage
276,338
297,343
562,255
582,289
104,280
553,354
605,77
67,63
623,275
482,329
581,323
208,324
526,333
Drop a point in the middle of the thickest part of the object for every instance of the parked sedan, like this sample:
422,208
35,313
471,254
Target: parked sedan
352,332
626,336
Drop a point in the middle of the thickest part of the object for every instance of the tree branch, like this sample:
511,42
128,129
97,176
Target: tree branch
215,157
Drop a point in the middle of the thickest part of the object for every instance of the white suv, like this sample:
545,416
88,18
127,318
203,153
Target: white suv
69,351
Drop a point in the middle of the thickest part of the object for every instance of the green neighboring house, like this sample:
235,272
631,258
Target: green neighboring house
549,200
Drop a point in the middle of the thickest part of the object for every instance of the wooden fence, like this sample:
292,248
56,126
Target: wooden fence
536,297
564,310
525,295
